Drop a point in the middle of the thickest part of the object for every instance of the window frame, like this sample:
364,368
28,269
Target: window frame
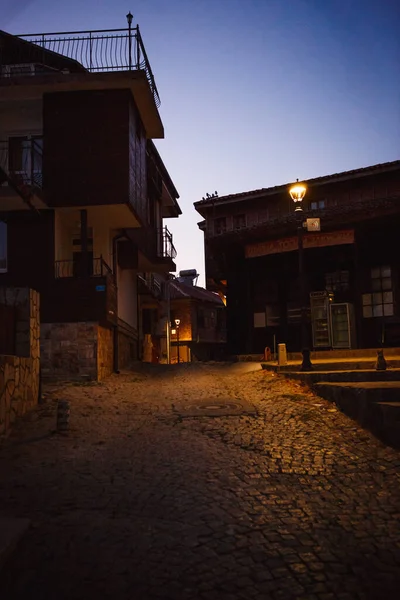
381,284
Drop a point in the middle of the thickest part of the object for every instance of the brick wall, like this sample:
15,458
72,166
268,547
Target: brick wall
19,375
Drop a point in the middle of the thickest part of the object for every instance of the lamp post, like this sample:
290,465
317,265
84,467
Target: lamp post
297,193
177,323
129,18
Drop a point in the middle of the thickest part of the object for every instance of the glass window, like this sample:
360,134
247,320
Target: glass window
339,281
3,247
379,303
318,204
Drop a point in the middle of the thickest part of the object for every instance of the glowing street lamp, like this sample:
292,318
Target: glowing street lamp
297,193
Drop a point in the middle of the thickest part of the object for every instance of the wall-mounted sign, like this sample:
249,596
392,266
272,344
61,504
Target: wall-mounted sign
313,224
100,288
289,244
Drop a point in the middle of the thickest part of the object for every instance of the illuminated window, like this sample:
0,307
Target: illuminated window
379,302
3,247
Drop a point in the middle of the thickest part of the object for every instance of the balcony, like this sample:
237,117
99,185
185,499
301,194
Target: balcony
157,248
108,50
81,292
21,160
148,285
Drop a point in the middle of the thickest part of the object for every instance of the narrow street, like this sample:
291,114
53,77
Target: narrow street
150,496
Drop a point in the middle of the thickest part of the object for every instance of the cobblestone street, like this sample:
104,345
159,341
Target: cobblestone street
142,501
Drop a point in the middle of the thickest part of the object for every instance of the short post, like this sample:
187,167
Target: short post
63,416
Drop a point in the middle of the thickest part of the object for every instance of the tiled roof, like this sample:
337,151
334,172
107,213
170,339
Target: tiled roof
180,291
324,179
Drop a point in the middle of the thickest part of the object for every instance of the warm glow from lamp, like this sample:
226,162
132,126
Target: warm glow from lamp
297,192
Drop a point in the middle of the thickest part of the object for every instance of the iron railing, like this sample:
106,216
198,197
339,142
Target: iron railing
21,159
167,249
93,267
101,50
147,282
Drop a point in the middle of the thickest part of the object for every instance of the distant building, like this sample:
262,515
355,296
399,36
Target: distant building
352,264
202,316
84,194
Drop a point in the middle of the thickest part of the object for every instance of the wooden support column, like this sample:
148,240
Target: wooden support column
84,243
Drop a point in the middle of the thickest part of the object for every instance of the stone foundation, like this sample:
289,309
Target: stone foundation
105,352
19,375
76,351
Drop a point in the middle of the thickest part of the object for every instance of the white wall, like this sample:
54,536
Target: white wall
127,296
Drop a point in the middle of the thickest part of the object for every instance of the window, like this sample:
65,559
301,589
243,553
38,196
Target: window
239,221
337,282
319,204
3,247
379,303
220,225
25,157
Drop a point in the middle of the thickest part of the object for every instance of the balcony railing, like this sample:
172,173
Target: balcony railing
102,50
149,284
21,159
155,244
93,267
168,249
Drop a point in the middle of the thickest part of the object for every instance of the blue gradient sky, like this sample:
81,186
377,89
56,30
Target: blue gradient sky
254,92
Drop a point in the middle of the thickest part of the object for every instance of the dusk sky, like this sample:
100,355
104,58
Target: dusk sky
253,93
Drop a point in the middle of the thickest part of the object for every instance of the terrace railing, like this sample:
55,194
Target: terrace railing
21,159
101,50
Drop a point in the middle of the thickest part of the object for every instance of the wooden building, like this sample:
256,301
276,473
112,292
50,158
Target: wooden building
351,265
83,193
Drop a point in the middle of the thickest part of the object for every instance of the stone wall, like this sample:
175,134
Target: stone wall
76,351
19,375
127,345
105,352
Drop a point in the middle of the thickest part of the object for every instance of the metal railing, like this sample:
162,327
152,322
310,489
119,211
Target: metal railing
149,282
23,162
167,249
101,50
94,267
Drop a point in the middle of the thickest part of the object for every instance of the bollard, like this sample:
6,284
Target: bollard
62,416
282,355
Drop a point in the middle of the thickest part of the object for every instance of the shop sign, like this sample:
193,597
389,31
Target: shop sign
290,244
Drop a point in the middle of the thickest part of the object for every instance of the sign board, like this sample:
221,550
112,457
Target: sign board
100,288
289,244
313,224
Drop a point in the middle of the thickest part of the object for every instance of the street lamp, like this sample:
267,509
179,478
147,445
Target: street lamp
297,193
177,323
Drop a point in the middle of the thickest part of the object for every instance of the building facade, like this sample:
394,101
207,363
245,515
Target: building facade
83,193
351,264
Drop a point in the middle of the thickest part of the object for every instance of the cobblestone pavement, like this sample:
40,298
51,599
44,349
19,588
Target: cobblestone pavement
139,502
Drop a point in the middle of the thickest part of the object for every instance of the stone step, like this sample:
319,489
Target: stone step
375,405
365,364
11,531
360,375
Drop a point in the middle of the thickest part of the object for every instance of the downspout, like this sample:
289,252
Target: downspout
115,241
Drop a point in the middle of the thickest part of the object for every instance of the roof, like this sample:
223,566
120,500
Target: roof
365,171
182,291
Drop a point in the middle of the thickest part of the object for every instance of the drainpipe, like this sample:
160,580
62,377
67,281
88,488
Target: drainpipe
115,241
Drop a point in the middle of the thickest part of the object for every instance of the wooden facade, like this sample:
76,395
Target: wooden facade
251,256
